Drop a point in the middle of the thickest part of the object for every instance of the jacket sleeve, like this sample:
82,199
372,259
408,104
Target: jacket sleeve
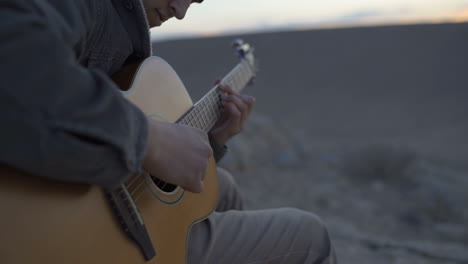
61,120
218,150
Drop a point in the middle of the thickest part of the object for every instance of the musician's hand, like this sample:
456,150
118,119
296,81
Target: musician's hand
237,108
177,154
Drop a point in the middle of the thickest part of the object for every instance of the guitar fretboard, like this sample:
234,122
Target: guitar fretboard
206,112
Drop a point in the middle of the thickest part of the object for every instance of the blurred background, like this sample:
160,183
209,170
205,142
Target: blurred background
361,115
221,17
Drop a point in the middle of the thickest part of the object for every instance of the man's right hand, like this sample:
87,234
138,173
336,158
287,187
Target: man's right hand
177,154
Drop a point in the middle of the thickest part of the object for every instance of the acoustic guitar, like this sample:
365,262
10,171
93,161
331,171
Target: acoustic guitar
145,220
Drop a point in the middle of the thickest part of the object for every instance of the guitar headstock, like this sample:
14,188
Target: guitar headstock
245,52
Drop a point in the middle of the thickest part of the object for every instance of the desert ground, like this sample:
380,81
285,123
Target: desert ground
366,127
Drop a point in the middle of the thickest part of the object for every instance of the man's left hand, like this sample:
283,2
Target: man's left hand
237,108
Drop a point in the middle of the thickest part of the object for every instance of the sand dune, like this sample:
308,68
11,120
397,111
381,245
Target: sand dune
365,126
405,82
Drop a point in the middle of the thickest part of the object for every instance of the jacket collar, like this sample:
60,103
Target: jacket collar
133,16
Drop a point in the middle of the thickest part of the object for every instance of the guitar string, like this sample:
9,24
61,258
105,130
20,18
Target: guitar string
138,178
137,188
134,188
135,199
236,77
141,180
195,117
132,181
204,107
229,78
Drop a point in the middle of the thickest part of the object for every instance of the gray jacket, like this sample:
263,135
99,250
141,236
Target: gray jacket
63,118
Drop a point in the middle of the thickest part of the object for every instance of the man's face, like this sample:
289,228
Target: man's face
158,11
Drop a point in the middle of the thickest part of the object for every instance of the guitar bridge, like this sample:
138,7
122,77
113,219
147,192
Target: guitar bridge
129,218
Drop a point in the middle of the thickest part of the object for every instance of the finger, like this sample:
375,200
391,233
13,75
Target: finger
195,183
234,117
241,104
196,187
249,101
222,86
232,109
202,186
226,88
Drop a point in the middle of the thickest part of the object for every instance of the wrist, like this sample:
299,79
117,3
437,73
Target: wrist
218,138
218,150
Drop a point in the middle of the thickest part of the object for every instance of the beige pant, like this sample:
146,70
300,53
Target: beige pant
273,236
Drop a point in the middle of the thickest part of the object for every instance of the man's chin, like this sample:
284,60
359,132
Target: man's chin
153,20
153,24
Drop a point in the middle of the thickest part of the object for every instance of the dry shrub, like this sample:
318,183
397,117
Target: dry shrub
381,162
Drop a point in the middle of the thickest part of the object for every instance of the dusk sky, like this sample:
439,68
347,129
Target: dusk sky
217,17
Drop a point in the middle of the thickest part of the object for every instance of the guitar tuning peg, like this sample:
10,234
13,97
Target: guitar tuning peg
241,47
237,43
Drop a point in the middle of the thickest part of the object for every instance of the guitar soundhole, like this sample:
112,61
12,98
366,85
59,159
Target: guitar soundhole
164,186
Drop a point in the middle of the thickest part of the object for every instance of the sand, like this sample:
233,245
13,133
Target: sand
366,127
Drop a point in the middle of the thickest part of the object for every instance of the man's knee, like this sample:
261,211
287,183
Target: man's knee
229,194
324,245
225,177
315,234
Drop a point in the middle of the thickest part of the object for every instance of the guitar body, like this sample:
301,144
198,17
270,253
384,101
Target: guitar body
45,221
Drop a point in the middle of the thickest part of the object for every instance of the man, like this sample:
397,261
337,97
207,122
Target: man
63,118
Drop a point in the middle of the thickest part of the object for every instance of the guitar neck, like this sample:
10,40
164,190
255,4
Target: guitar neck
207,111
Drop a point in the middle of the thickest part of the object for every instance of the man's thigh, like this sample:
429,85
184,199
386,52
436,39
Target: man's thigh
282,235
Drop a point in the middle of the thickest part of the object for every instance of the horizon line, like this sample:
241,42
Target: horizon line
325,26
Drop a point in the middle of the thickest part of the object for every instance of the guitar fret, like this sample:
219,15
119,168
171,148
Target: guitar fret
244,75
216,108
212,108
208,110
237,83
194,117
198,122
204,118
